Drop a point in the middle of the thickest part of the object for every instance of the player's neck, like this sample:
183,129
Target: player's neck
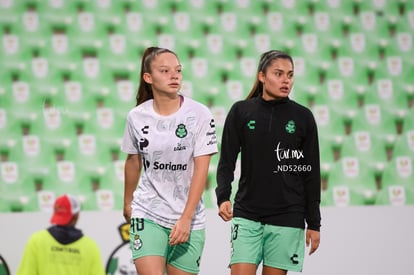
167,105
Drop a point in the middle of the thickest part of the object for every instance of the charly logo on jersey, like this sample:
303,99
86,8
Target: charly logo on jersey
212,133
181,131
120,261
212,124
251,124
144,129
294,259
143,142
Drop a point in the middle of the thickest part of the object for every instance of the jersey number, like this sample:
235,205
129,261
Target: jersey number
137,224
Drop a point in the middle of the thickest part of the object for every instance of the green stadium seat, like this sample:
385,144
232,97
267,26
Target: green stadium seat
397,185
307,79
372,24
400,171
32,153
60,49
323,23
221,49
327,151
364,49
11,129
121,96
10,12
373,118
13,53
369,148
205,78
408,121
55,127
140,34
244,70
393,108
73,98
341,196
331,124
45,200
396,195
108,12
397,66
84,32
381,8
33,29
102,199
116,54
57,12
349,69
275,23
337,7
113,179
404,144
22,100
89,155
400,44
404,22
336,92
14,195
67,176
353,174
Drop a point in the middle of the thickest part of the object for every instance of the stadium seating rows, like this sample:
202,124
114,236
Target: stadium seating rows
69,71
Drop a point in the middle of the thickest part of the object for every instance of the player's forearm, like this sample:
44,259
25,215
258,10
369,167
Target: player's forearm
197,186
131,177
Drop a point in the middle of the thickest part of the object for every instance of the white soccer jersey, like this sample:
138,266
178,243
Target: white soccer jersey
167,146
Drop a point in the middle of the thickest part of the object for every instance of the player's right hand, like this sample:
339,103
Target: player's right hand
226,211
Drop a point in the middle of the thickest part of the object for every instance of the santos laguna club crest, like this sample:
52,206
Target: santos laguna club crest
120,262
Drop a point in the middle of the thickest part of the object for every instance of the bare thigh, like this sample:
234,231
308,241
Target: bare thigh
171,270
273,271
150,265
243,269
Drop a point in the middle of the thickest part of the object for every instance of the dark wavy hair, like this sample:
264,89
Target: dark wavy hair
144,92
265,60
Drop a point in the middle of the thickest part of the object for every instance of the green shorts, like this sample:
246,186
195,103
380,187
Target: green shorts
277,246
150,239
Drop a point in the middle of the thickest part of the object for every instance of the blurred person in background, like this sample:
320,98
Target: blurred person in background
62,249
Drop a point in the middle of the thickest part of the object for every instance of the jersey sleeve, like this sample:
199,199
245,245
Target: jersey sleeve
206,139
313,179
230,148
129,141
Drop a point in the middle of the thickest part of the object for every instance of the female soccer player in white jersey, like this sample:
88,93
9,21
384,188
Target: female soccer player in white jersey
169,140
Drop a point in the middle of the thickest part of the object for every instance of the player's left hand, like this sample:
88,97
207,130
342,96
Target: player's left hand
180,232
313,239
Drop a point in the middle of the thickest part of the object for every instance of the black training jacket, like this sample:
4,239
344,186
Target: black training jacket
280,171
